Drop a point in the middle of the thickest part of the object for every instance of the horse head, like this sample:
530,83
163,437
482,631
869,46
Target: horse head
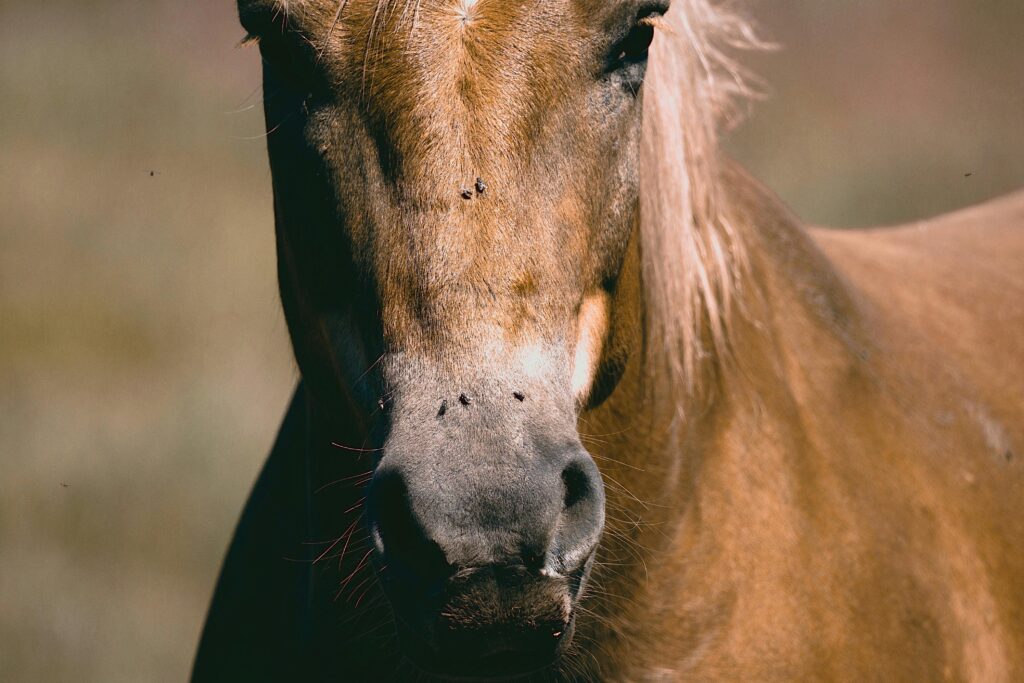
457,192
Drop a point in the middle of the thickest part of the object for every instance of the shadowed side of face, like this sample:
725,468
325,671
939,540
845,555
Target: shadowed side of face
455,189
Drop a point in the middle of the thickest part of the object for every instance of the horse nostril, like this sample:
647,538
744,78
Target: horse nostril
400,534
581,521
577,485
533,559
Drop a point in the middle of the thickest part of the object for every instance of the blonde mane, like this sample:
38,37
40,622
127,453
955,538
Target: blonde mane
692,257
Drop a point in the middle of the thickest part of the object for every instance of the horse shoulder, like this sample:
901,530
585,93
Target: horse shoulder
947,297
885,469
944,301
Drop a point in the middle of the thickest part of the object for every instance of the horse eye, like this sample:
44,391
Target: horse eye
633,48
626,63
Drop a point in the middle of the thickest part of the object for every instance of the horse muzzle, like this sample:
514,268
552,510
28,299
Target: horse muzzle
490,623
485,556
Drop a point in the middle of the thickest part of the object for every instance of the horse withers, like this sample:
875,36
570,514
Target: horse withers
583,401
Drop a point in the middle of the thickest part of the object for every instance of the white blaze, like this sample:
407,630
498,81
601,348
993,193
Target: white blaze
466,11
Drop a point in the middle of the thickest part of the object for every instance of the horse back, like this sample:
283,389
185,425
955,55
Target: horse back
950,292
943,306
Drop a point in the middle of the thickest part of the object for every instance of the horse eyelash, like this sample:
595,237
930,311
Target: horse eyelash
657,22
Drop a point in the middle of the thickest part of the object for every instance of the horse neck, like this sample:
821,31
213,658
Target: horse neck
692,484
787,296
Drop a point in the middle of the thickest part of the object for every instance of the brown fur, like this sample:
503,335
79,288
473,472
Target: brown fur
814,472
848,504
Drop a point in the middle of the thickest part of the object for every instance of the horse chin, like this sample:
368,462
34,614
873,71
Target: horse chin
500,668
489,631
485,623
497,666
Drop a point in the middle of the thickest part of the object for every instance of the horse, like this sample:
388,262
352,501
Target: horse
581,400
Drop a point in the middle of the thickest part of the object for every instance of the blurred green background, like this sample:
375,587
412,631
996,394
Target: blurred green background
144,363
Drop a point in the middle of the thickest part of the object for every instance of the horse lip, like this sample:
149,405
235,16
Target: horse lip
475,673
501,665
487,678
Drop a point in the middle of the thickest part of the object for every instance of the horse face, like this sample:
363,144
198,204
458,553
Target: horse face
456,188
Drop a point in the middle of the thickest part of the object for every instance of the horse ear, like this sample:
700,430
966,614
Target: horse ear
259,16
269,24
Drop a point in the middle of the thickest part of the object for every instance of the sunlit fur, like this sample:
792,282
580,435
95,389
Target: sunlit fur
813,472
692,258
695,88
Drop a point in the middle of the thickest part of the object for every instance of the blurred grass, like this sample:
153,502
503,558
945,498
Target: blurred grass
878,111
144,365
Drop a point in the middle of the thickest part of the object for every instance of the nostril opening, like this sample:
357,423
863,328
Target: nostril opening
577,485
401,535
533,560
582,519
